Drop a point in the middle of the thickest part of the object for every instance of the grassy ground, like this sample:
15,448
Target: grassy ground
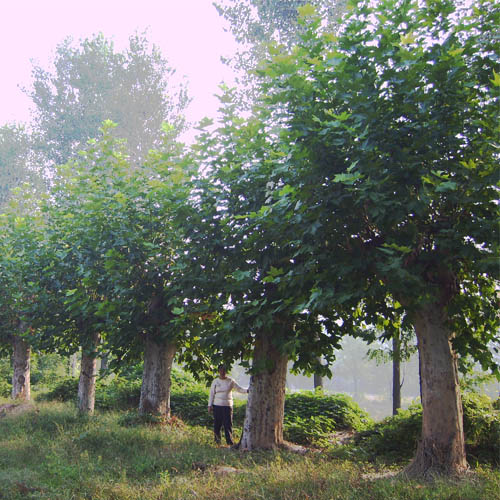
50,452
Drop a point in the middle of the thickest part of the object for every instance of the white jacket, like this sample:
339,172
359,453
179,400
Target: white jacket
221,392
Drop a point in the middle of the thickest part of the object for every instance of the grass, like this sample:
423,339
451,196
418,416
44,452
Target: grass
53,453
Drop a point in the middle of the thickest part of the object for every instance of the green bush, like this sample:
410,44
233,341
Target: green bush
341,411
481,428
117,394
64,390
395,438
47,370
5,389
314,430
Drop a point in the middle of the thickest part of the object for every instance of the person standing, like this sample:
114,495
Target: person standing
220,402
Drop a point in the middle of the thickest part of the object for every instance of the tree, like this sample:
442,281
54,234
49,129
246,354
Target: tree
90,83
115,263
20,225
14,156
16,169
403,347
248,258
390,131
257,23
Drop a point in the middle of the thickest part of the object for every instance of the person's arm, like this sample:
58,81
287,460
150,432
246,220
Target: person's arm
211,397
238,388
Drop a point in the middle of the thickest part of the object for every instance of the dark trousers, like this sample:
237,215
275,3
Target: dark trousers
223,416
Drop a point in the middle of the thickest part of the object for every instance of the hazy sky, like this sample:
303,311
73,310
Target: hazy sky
189,33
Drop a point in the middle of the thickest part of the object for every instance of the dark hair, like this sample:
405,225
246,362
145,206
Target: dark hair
222,367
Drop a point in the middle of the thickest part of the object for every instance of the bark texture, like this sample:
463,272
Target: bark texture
21,385
263,426
88,376
156,381
441,450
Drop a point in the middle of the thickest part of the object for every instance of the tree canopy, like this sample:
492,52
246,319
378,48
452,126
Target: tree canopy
91,82
389,130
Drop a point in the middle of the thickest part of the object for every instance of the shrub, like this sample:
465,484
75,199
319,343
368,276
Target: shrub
341,410
481,428
395,438
5,389
314,430
311,416
64,390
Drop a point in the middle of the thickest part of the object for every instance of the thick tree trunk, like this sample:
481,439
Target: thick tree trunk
156,381
396,374
263,426
441,450
88,375
21,385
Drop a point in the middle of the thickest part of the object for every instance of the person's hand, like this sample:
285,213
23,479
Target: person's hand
209,409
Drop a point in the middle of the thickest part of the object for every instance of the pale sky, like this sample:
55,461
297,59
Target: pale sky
189,34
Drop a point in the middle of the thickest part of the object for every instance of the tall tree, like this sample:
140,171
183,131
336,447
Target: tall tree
92,82
20,225
14,159
263,322
257,23
390,130
115,263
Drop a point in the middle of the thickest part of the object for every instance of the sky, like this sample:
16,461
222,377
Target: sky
189,34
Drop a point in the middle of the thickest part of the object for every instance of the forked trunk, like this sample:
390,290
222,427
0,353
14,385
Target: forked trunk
263,426
88,375
441,450
156,381
21,386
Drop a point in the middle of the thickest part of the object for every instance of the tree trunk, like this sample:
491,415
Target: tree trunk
396,374
21,386
156,381
441,450
318,379
73,361
88,375
104,364
263,426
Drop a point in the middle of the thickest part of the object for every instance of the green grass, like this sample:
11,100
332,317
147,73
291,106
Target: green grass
53,453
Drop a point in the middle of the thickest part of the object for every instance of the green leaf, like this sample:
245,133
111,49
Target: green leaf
307,10
496,79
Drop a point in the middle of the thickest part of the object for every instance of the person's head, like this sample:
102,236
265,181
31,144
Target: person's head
222,371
